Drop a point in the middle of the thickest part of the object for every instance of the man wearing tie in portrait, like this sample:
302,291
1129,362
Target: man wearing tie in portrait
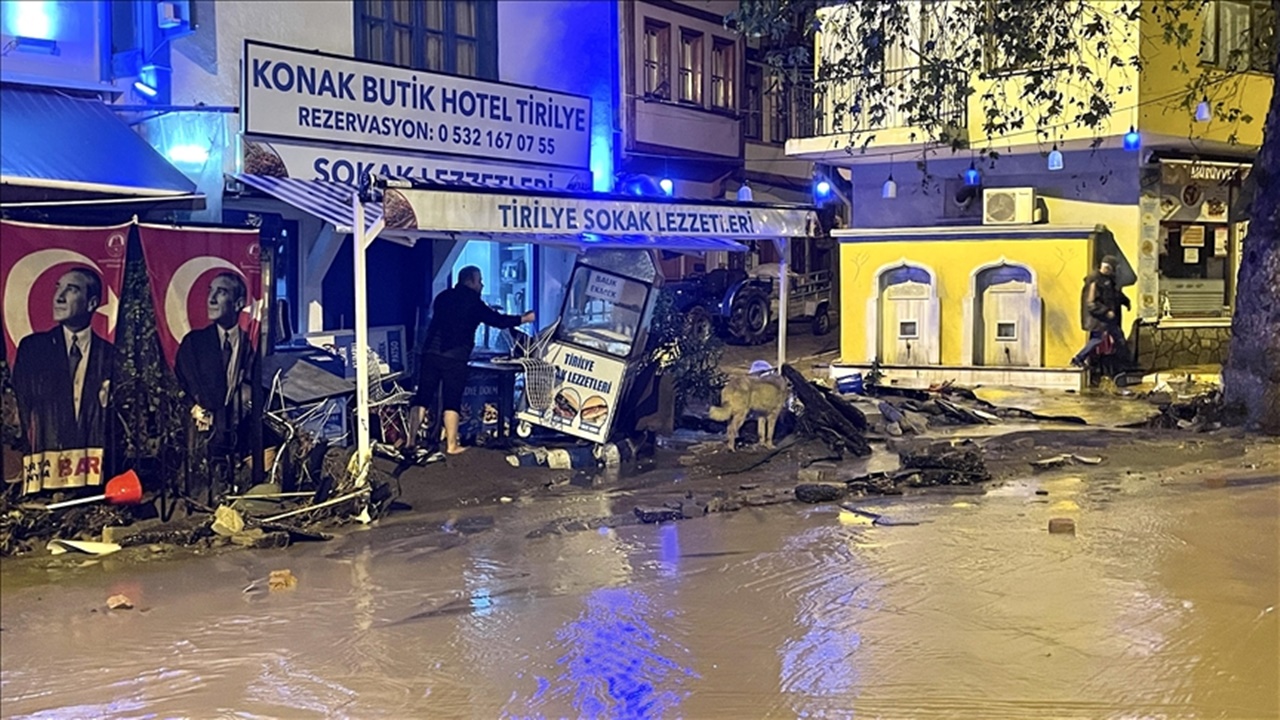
214,365
62,376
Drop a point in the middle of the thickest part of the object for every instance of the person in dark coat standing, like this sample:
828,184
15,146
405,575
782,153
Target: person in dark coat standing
1100,314
214,365
62,376
456,313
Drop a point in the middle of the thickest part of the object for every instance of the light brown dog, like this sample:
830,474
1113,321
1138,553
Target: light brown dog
766,396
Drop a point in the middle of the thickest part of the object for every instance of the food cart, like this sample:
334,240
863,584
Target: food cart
609,300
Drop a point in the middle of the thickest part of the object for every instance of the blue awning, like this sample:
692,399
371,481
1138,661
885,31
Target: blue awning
78,148
328,201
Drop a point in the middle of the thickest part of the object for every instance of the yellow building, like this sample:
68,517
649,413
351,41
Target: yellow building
973,269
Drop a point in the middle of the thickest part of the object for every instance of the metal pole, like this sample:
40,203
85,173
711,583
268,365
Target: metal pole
782,302
360,353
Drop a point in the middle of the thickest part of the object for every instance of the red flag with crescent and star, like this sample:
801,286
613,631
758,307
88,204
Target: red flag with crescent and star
183,263
61,289
33,258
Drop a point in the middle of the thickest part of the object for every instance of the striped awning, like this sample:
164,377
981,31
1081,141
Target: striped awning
328,201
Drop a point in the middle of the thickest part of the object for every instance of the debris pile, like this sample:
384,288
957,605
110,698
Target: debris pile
828,417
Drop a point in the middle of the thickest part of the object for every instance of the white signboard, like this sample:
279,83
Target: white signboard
348,164
313,96
604,286
585,399
484,212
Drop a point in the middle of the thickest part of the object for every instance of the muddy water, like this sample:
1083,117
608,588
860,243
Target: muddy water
1163,605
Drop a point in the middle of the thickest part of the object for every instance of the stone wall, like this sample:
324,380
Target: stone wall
1173,347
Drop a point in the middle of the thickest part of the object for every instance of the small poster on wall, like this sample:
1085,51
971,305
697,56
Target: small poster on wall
1193,236
1191,256
1220,241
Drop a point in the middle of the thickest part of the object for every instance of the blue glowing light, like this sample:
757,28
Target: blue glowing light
188,154
145,89
1203,111
972,176
667,186
1132,139
1055,158
822,189
31,19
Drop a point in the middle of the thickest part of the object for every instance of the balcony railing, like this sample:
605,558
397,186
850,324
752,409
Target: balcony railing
835,113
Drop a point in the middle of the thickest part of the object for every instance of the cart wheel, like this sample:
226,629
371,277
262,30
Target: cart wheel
749,318
698,325
822,321
524,429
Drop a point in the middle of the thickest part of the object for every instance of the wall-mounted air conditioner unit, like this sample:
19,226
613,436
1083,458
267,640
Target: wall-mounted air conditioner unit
1008,206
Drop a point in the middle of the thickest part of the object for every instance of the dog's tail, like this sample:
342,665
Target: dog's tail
720,413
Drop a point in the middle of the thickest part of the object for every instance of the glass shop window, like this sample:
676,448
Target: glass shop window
603,311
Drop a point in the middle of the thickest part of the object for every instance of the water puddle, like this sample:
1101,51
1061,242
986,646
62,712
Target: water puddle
1161,605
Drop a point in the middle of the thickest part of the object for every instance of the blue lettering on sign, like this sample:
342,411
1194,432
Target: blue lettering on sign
303,79
536,216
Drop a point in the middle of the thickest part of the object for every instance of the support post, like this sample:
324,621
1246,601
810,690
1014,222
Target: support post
782,302
360,353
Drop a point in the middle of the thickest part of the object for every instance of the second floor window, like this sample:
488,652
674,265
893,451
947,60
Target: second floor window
1239,35
452,36
753,108
722,74
691,67
657,60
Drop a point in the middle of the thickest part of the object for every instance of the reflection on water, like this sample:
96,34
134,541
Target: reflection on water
1163,605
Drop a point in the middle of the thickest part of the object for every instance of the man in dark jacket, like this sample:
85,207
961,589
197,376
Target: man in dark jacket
1100,304
62,376
214,365
451,336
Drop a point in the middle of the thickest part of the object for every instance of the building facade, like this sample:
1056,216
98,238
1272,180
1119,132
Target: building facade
972,269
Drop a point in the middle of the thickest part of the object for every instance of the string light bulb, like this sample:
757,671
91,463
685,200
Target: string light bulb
890,188
1132,139
1203,111
972,176
1055,158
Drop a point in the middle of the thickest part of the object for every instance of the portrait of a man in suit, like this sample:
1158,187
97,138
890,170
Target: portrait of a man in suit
62,376
214,364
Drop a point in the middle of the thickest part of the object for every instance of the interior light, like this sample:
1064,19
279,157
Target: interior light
145,89
667,186
1203,111
890,188
1132,139
189,154
1055,158
972,176
823,188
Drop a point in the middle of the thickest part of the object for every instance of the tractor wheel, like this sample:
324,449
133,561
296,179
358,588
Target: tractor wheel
822,321
698,325
749,317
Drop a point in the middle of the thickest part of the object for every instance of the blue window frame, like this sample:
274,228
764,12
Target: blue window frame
452,36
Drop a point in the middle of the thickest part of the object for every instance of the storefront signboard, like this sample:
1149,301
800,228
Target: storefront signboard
493,213
347,165
588,386
314,96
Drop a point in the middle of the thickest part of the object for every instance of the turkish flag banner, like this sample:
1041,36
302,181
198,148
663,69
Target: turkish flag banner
61,289
206,285
201,278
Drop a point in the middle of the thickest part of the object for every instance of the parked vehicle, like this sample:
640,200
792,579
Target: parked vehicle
742,306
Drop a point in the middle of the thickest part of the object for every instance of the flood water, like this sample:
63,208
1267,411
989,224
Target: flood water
1162,606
